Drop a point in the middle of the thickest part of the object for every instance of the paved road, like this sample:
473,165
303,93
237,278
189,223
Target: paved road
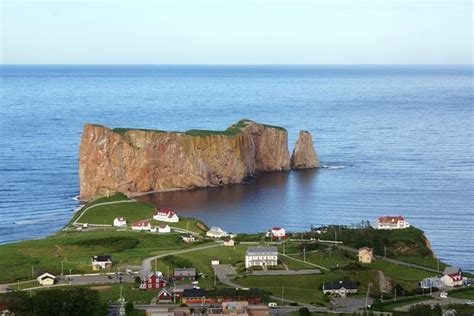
433,302
146,265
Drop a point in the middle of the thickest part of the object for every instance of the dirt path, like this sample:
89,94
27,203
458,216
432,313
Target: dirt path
384,283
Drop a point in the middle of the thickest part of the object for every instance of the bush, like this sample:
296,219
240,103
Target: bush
303,311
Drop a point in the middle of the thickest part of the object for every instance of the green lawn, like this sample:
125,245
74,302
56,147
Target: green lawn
466,293
76,249
389,306
406,277
132,211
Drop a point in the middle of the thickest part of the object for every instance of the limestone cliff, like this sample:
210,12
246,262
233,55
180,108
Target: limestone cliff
304,156
136,161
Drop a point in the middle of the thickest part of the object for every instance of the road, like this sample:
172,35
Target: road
146,265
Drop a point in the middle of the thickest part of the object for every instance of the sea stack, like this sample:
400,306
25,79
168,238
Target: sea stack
134,161
304,156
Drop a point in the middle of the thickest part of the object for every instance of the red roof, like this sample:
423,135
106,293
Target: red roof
455,276
141,223
390,219
163,226
165,211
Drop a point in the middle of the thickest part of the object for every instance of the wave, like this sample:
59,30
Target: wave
333,166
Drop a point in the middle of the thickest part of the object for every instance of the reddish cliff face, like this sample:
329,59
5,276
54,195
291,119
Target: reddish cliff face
137,161
304,156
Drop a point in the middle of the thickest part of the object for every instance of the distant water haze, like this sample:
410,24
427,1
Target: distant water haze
395,140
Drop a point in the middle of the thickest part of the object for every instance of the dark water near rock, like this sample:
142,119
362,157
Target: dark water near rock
395,139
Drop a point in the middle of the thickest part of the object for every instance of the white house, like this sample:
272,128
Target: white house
216,232
261,256
276,233
340,288
165,215
392,222
142,226
189,239
46,279
229,242
452,280
120,222
215,262
164,229
101,262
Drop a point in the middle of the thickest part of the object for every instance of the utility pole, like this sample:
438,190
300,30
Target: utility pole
62,267
215,281
282,293
384,251
367,297
438,264
32,272
304,253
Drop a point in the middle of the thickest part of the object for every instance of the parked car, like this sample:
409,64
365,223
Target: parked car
469,303
273,305
443,294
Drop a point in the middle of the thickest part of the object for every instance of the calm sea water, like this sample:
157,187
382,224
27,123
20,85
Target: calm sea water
396,140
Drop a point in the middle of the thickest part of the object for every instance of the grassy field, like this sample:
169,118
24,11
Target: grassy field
406,277
76,249
390,306
133,211
466,293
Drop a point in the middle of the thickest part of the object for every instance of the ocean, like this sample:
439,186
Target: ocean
393,140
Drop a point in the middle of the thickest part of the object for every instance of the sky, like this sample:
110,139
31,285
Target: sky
236,32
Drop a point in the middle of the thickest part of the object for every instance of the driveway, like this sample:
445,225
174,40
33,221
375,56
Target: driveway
350,304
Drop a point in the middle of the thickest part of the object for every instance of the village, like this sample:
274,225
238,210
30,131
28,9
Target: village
217,272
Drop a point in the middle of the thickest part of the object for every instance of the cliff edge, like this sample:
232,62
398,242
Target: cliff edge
138,161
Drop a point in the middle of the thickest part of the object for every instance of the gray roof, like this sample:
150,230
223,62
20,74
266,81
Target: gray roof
262,251
185,272
450,270
336,285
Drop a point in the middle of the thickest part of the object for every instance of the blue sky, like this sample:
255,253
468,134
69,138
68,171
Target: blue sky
236,32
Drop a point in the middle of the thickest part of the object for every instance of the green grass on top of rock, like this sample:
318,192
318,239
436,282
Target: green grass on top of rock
232,130
398,242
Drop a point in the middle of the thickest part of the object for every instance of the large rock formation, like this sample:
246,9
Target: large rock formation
304,156
136,161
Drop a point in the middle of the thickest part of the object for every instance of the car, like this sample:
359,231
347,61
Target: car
272,305
443,294
469,303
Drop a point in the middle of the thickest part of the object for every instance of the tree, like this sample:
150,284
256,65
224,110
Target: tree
303,311
129,309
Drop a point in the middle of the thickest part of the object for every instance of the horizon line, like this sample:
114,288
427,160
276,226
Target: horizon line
235,64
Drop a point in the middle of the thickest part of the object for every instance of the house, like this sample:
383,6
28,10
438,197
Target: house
189,239
340,288
165,214
215,262
165,296
452,280
120,222
433,282
184,274
195,296
164,229
142,226
392,222
261,256
276,233
216,232
451,270
229,242
46,279
154,280
366,255
101,262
